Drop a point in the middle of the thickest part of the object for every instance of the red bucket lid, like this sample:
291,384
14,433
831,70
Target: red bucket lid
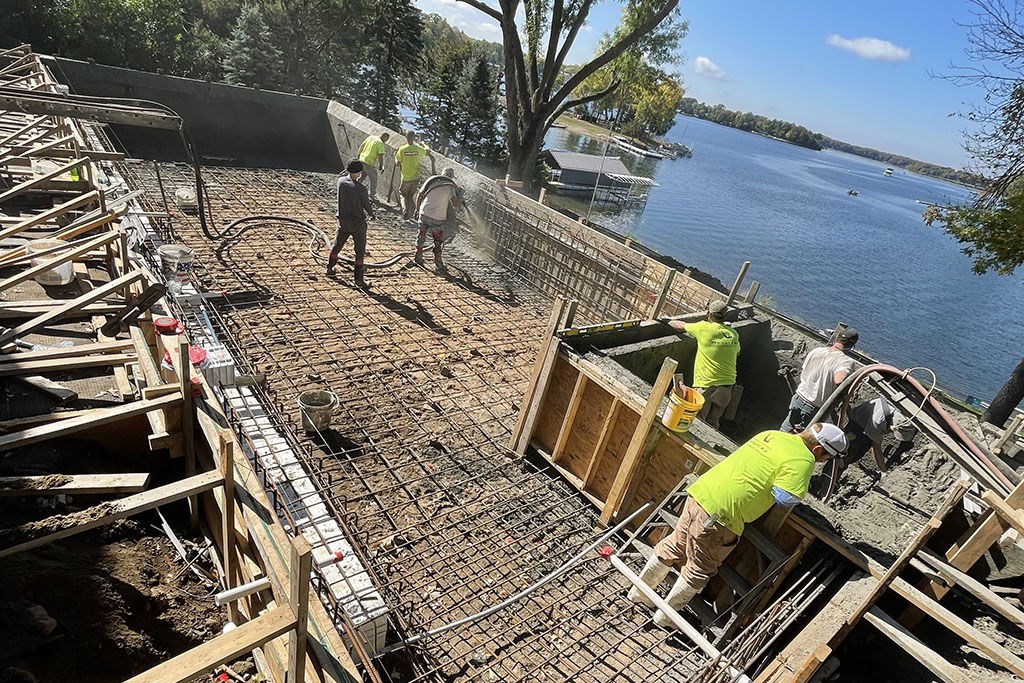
196,354
165,325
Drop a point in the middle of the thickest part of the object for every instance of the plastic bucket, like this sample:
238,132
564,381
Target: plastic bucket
58,275
683,405
175,264
316,408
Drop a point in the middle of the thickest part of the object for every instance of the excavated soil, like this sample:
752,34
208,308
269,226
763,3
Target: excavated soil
100,607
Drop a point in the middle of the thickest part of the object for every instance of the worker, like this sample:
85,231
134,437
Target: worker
824,369
353,208
372,153
439,194
772,468
408,158
714,367
867,426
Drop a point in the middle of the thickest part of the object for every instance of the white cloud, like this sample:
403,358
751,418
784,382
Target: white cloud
485,27
587,27
870,48
705,67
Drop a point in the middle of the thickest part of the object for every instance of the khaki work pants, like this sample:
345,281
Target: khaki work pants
369,179
716,400
700,551
408,192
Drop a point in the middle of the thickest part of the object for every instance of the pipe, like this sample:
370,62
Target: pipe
263,583
521,594
682,624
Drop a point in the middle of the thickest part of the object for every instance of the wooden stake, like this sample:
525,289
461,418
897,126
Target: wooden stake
523,429
302,564
227,468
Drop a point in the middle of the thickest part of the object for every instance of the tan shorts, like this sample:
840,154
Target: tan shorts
409,186
700,551
716,401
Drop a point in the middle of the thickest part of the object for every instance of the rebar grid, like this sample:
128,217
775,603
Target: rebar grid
428,371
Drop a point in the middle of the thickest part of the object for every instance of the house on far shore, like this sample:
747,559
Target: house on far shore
577,173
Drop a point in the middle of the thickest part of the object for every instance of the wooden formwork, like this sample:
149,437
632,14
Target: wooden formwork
184,417
610,443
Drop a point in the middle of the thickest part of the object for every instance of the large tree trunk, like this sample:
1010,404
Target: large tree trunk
1008,398
522,157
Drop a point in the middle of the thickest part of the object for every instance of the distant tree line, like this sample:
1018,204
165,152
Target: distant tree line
922,167
373,55
798,135
752,123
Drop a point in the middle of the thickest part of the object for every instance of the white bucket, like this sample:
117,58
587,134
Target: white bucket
175,264
58,275
316,408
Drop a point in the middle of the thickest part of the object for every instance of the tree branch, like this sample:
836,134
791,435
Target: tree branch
614,51
563,52
580,100
489,11
549,60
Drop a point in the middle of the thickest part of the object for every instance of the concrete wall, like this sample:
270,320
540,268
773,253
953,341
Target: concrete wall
229,124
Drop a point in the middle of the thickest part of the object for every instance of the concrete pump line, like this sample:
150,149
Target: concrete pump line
316,233
406,642
951,426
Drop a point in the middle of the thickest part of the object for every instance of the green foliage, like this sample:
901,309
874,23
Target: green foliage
392,50
458,101
252,58
992,236
753,123
645,101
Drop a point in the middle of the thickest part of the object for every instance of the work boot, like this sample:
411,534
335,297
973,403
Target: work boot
653,573
360,282
678,598
439,264
330,267
419,258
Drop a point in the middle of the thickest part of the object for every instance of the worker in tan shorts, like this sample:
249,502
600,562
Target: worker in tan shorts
714,367
772,468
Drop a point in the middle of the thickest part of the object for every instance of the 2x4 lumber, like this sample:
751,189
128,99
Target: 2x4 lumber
1011,515
1009,433
570,417
50,214
126,507
635,450
58,392
973,587
184,370
15,313
63,364
24,151
953,498
602,442
227,529
79,484
961,628
66,153
70,307
223,649
69,352
22,422
301,565
55,261
37,121
76,424
537,388
666,286
933,661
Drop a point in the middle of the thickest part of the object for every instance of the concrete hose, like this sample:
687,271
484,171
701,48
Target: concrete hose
316,233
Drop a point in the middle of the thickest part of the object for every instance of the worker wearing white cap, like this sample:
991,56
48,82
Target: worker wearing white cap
773,468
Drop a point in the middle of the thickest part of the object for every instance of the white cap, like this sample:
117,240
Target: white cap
831,438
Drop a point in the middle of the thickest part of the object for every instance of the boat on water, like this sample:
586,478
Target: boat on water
888,172
853,193
624,144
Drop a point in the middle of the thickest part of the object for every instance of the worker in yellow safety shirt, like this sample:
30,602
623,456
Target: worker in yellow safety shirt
772,468
408,157
714,368
372,153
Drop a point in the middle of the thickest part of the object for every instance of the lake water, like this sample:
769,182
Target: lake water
822,255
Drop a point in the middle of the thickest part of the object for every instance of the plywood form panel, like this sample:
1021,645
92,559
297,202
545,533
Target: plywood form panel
586,429
554,403
659,473
622,433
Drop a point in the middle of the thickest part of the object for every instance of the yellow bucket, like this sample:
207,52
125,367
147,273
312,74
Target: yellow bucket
683,405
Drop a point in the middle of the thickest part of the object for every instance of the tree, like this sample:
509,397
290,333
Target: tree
440,109
252,58
532,100
393,43
479,136
992,229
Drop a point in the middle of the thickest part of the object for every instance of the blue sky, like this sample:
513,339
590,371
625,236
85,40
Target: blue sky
813,63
